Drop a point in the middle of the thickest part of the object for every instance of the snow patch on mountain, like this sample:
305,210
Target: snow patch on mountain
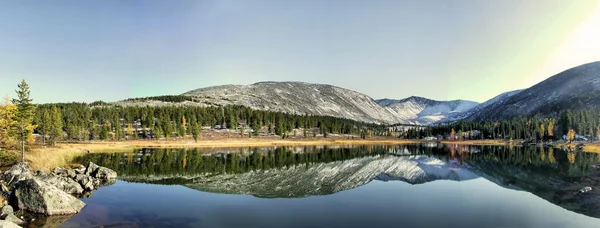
423,111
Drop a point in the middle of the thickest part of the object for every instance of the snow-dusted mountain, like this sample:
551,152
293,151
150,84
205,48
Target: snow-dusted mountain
575,88
320,99
299,98
424,111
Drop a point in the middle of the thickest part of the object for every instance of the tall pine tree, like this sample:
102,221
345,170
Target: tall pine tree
25,113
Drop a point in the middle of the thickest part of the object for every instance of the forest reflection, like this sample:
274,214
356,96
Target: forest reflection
240,160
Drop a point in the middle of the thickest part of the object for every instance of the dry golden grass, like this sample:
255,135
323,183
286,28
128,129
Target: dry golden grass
46,158
594,147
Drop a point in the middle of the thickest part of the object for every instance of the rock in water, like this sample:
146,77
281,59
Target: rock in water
17,173
8,224
37,196
85,181
104,173
585,189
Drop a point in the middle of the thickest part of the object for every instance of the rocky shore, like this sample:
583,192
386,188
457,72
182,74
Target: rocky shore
54,193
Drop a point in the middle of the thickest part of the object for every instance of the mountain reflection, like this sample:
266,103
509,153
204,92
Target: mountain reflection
285,172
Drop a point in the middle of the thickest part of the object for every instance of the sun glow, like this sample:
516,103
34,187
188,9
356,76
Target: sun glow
582,46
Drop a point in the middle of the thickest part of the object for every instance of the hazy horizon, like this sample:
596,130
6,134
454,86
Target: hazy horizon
442,50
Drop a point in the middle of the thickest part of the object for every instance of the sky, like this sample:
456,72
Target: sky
440,49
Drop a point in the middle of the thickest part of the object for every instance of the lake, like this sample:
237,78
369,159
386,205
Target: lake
349,186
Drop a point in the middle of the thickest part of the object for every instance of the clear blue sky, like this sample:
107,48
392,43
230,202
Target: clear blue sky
440,49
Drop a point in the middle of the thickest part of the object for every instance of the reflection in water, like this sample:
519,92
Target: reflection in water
292,172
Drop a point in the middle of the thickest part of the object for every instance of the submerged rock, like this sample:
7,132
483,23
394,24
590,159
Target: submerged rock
37,196
585,189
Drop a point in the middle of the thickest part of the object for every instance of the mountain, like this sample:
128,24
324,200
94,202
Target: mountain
299,98
495,100
424,111
327,100
575,88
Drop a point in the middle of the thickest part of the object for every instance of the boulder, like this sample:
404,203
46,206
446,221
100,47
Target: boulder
104,173
91,169
61,182
86,182
8,224
37,196
17,173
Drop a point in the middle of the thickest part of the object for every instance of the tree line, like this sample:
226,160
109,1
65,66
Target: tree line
82,121
568,122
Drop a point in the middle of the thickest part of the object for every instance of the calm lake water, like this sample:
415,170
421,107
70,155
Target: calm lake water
360,186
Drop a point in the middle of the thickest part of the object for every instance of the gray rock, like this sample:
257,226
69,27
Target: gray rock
91,169
104,173
71,174
4,188
6,210
17,173
37,196
13,218
86,182
79,170
63,183
60,171
8,224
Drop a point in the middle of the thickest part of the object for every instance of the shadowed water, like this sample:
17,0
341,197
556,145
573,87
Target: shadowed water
359,186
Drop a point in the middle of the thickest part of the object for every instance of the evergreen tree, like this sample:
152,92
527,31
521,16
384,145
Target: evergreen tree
196,131
55,127
25,113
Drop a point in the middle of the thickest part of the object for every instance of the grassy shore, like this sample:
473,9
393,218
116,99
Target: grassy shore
45,158
594,147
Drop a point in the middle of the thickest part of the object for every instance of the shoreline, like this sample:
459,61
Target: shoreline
62,155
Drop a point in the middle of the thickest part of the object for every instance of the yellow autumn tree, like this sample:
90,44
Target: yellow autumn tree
550,128
8,112
452,134
571,135
184,123
129,129
542,130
